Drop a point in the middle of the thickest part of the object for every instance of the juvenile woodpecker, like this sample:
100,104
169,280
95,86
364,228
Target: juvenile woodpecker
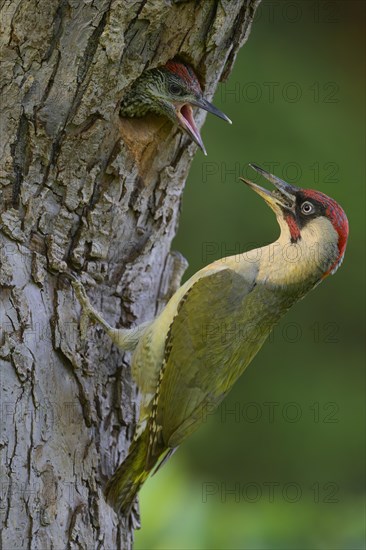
170,90
189,357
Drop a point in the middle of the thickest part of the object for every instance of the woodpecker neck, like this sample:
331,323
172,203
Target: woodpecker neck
304,261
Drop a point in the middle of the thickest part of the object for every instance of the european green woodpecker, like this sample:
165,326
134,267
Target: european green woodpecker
171,91
189,357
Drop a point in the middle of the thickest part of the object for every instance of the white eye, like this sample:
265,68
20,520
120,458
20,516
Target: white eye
307,208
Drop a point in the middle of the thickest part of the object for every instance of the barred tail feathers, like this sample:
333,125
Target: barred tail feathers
127,480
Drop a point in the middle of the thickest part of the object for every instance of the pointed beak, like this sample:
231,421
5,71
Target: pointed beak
187,122
207,106
185,118
284,195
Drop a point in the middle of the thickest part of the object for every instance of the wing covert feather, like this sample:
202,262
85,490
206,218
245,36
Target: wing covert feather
204,352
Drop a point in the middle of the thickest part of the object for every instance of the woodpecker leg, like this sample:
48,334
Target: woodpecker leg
180,264
175,266
126,339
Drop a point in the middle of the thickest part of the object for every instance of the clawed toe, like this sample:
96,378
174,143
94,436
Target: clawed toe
80,292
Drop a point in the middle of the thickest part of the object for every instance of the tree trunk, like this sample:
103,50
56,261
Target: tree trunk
82,189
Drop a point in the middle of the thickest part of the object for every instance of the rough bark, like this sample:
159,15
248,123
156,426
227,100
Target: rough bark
81,188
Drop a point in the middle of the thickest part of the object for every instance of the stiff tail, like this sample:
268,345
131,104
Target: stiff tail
127,480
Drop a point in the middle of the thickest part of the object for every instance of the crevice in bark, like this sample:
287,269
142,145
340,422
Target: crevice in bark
49,84
57,30
21,157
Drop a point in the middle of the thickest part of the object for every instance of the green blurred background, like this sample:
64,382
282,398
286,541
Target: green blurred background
281,463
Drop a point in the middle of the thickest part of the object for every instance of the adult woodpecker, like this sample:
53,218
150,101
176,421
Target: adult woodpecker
189,357
170,90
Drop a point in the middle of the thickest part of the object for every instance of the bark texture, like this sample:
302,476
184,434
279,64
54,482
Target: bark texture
81,188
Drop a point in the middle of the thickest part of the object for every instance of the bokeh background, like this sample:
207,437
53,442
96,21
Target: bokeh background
281,464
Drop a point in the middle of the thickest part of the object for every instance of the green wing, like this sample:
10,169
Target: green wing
205,354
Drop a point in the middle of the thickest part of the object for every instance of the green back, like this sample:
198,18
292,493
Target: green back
222,322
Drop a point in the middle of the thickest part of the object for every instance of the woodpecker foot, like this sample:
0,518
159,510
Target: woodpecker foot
125,338
180,264
134,518
87,310
175,266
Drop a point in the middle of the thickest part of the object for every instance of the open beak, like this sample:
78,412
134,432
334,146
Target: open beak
186,121
207,106
284,195
185,117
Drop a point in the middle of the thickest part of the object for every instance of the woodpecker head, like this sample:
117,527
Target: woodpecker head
170,90
308,218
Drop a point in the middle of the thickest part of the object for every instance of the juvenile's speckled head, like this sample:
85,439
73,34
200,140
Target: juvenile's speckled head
308,218
171,90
